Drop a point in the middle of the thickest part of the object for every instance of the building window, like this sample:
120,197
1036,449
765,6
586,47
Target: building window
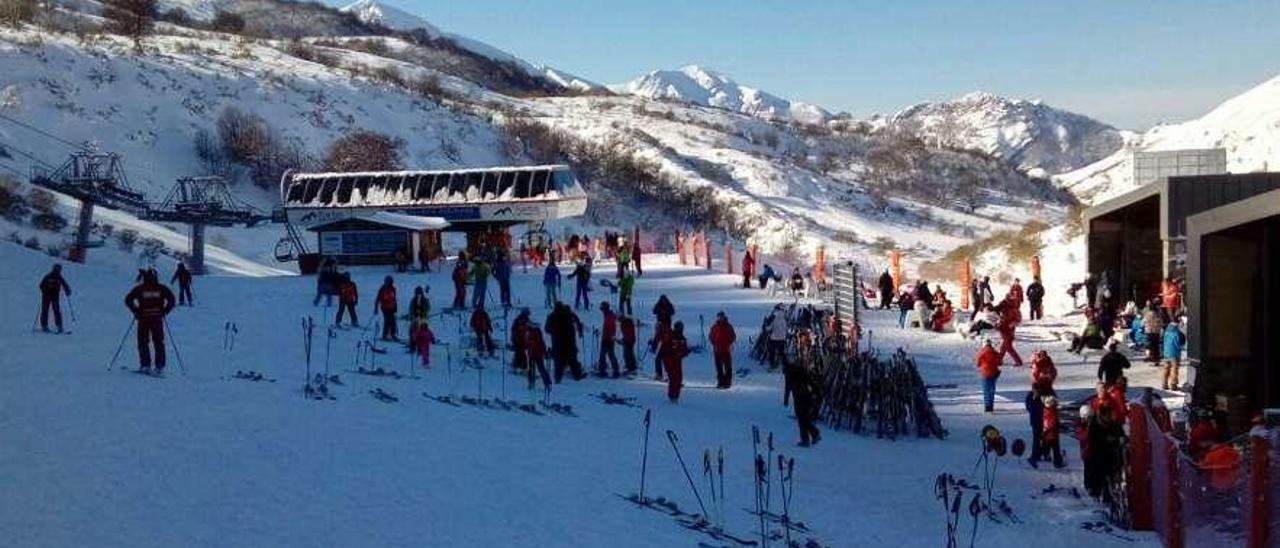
381,242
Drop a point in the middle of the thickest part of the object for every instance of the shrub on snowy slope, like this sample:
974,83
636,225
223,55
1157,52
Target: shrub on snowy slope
364,150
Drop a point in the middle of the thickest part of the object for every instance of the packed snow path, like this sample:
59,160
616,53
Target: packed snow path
91,457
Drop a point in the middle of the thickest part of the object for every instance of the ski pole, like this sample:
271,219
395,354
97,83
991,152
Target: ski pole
308,325
120,347
174,342
975,508
671,436
768,479
35,322
72,308
711,482
644,453
720,465
760,474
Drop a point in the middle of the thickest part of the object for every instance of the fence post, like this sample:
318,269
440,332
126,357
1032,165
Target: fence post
1140,508
1259,452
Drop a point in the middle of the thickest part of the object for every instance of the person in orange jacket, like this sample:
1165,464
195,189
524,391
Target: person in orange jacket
988,364
1009,318
1043,371
1171,296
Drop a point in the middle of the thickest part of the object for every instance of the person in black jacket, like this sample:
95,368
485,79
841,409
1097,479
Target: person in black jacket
886,290
52,286
183,277
799,383
1112,365
564,327
1035,296
150,301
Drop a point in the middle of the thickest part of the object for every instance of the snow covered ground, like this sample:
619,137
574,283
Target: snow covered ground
108,458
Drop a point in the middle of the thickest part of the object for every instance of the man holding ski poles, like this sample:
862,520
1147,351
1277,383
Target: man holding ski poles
150,301
51,288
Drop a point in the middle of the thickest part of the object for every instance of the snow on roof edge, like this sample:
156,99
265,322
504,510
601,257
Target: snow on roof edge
504,169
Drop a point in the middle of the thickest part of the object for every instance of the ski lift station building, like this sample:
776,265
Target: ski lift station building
365,218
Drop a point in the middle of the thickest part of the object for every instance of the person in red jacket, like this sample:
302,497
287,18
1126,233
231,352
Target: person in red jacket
423,338
460,281
988,364
748,268
1043,371
536,348
722,337
608,338
673,349
348,297
1050,434
627,325
1015,294
386,302
520,354
1171,297
150,301
482,326
1008,324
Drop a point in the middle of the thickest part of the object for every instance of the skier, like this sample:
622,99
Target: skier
1090,290
537,350
663,311
635,256
460,281
608,334
348,297
906,303
722,337
327,282
627,325
582,275
551,283
985,294
1174,341
1035,416
419,313
777,337
1015,294
502,273
564,328
482,326
401,258
183,277
1153,326
797,282
1105,292
988,364
626,289
674,348
767,275
1112,365
424,256
52,287
623,256
1035,296
387,303
480,275
748,268
923,303
1171,297
423,338
519,340
886,290
1049,440
1008,323
1043,371
150,302
799,383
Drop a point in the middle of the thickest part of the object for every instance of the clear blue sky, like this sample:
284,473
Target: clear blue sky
1129,63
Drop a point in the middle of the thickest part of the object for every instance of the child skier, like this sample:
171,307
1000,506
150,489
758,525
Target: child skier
482,326
423,338
1049,437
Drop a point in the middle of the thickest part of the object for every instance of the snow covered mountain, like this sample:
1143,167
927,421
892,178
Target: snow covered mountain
381,13
700,86
1030,134
1247,126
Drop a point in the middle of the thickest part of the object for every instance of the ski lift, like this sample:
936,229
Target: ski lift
536,237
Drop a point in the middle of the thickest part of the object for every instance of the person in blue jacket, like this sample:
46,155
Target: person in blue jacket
1174,342
551,283
502,273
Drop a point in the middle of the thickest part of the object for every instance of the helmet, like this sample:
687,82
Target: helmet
1086,412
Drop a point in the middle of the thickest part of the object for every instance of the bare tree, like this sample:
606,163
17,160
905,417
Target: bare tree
133,18
364,150
14,13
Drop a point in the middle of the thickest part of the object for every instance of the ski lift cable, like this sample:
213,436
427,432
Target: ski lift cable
28,155
13,170
40,131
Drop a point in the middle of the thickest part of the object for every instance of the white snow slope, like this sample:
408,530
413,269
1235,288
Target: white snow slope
700,86
1031,134
1247,126
113,459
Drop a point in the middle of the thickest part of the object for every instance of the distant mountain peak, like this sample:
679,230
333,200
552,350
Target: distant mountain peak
1029,133
699,85
378,12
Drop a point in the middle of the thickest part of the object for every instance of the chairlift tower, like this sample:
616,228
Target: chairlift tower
200,202
94,177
